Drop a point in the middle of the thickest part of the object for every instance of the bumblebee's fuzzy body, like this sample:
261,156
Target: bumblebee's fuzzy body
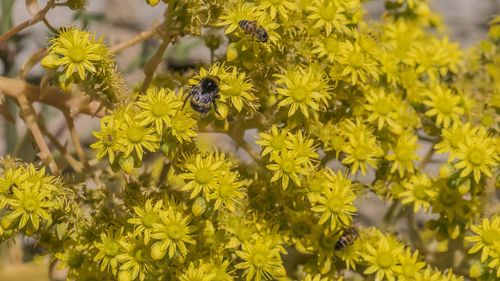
347,238
204,94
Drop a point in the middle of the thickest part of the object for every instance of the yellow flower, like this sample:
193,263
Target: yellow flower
410,265
281,7
361,151
477,155
485,238
288,166
261,260
444,105
238,90
404,154
137,137
382,258
157,107
304,147
356,64
183,126
419,191
274,142
452,137
174,233
145,217
202,173
232,15
77,51
382,109
328,46
303,90
135,260
328,15
108,249
110,139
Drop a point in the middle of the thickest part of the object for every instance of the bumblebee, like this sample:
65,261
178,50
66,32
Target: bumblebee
251,27
204,94
347,238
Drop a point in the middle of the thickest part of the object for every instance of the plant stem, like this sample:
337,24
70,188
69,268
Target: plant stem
29,116
134,40
152,64
76,140
27,23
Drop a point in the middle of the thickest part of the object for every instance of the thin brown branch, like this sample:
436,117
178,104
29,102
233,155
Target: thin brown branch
145,35
29,117
76,140
73,102
77,166
27,23
152,64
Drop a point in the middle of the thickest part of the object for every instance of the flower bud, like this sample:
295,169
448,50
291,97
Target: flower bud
153,3
158,251
199,206
127,164
232,52
50,61
476,270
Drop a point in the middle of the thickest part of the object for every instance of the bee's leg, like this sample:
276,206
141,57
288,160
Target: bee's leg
185,100
216,109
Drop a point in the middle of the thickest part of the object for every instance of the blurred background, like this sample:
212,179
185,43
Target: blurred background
117,20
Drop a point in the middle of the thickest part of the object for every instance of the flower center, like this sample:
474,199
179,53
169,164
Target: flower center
235,90
444,105
139,255
112,248
475,156
449,198
385,260
331,45
356,60
287,167
278,142
149,218
382,107
419,192
30,204
259,260
300,93
159,109
175,231
134,134
361,153
335,204
328,13
203,175
77,54
490,236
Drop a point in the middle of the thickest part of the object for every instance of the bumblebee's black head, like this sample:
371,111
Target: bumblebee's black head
210,84
263,36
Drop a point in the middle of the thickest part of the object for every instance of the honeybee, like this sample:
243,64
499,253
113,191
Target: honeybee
250,26
204,94
347,238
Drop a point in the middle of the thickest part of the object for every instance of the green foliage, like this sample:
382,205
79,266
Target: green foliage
164,202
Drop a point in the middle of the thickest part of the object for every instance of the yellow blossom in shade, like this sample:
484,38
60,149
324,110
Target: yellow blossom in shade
382,108
110,139
327,15
444,105
403,154
197,273
228,192
108,247
221,269
173,232
382,258
356,64
157,107
237,90
429,275
303,146
449,202
137,137
232,15
145,217
328,46
183,126
77,51
419,191
362,151
336,203
274,142
409,265
11,178
261,260
288,166
135,260
302,89
452,137
477,155
281,7
202,172
31,204
486,238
